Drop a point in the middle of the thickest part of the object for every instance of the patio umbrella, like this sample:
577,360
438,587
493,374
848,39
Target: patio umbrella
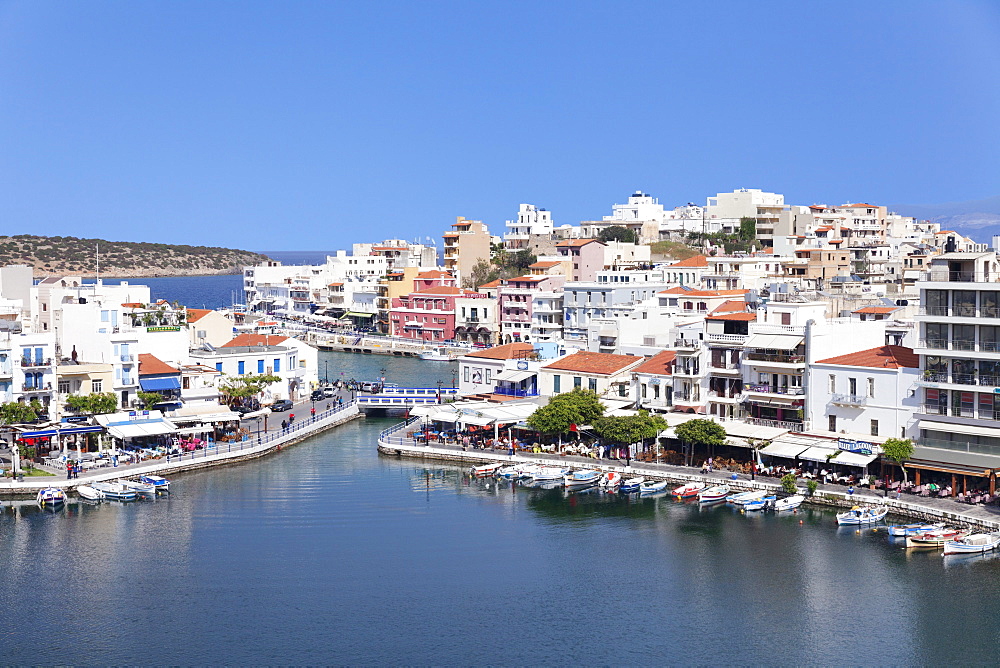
15,459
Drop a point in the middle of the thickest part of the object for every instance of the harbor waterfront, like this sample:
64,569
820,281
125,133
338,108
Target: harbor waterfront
338,554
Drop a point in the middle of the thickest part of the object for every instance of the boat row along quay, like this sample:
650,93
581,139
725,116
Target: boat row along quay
402,440
216,454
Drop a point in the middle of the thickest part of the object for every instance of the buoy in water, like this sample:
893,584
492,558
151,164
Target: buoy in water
801,522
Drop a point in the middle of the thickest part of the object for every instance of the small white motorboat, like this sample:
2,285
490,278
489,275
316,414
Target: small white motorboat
89,493
115,490
438,354
746,497
862,515
527,470
789,502
913,529
631,485
652,487
611,480
581,478
162,485
759,504
975,542
508,472
545,473
50,497
716,493
140,488
484,470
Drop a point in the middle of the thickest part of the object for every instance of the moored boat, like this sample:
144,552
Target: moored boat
862,515
162,485
140,488
508,472
934,539
611,480
913,529
484,470
545,473
436,355
652,487
581,478
688,491
114,490
746,497
631,485
50,497
759,504
89,493
716,493
976,542
789,502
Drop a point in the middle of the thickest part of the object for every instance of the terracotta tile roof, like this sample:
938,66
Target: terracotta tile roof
548,264
816,207
825,228
946,232
256,340
732,306
334,285
450,234
133,305
507,351
660,364
679,290
491,284
884,357
877,309
695,261
531,279
860,205
604,364
439,290
150,365
577,242
196,314
434,273
745,317
836,241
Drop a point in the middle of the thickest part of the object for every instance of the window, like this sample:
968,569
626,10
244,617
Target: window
831,423
871,390
186,383
642,390
621,389
852,386
104,316
489,372
833,383
786,318
465,375
592,384
218,367
241,367
874,427
577,382
97,386
260,366
277,365
63,387
556,384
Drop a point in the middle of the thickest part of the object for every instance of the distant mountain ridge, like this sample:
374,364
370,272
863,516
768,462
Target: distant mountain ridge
977,219
72,255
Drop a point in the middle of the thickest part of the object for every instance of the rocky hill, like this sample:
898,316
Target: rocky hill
71,255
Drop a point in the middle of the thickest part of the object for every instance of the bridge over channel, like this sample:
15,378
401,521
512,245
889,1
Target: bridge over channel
405,397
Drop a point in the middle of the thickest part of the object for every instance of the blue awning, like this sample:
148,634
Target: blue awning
67,431
158,384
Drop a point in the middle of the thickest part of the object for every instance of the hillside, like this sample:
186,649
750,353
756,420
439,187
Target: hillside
71,255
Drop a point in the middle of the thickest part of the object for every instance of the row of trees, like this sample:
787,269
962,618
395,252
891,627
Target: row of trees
565,412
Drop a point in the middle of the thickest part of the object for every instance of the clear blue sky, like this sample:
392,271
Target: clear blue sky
311,125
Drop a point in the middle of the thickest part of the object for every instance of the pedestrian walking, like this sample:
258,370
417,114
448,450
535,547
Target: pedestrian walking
291,418
312,413
284,426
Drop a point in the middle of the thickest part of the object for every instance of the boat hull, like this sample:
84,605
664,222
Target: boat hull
974,544
862,516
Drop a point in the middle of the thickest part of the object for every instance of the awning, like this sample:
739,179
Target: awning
159,384
968,430
219,417
790,450
478,420
515,376
358,314
67,431
818,454
446,416
957,470
194,430
854,459
139,428
774,341
255,414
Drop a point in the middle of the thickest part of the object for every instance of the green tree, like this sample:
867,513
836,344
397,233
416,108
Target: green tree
149,399
788,483
95,403
898,451
235,388
626,429
576,407
701,432
618,233
15,412
482,272
748,229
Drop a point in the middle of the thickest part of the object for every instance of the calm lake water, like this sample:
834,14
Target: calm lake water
329,553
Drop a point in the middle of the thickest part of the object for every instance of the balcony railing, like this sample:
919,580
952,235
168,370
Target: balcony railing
31,387
849,399
785,358
769,389
687,343
983,380
29,362
514,392
127,357
954,411
945,276
780,424
728,338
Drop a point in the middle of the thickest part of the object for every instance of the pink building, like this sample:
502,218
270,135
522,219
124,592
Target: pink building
428,314
585,256
514,304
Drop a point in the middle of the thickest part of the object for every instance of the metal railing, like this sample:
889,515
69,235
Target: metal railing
769,389
982,380
780,424
38,361
514,392
784,358
945,276
849,399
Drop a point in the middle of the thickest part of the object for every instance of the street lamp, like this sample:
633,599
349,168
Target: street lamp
257,420
326,371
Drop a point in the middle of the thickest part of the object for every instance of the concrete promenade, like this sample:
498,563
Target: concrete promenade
218,453
393,442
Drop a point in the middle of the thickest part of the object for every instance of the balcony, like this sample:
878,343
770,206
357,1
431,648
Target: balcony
687,371
849,399
965,411
774,389
29,362
982,380
946,276
127,357
31,387
687,343
780,424
782,358
726,338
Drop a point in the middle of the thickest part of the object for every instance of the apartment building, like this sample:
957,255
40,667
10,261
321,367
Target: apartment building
467,243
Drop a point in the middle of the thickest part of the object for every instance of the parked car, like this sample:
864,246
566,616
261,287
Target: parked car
329,392
281,405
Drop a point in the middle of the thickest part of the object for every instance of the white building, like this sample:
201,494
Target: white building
725,210
294,361
531,220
